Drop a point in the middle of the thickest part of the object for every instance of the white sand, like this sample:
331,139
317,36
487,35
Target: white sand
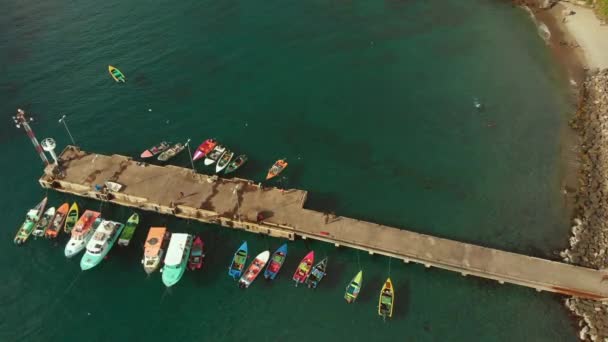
585,27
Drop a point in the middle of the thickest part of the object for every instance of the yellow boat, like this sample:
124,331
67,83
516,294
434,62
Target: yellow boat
116,74
387,299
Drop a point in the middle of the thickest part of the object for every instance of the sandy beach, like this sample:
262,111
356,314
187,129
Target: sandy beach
586,29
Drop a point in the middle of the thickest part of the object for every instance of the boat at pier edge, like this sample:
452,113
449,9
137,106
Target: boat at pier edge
223,161
129,230
116,74
155,150
317,274
154,248
171,152
215,154
100,244
204,148
44,222
276,262
304,268
386,300
82,232
236,163
197,254
72,218
31,218
57,221
277,168
238,262
353,288
256,267
177,258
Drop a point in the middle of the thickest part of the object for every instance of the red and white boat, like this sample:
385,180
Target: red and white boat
155,150
204,148
254,269
197,255
304,268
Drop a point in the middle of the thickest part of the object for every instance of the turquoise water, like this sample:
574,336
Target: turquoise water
372,104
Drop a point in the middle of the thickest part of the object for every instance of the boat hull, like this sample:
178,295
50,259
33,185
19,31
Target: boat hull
254,270
76,246
89,260
272,270
129,230
353,288
236,266
304,268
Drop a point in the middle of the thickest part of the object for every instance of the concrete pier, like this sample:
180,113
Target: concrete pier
236,203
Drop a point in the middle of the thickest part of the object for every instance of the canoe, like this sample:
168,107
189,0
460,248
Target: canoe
386,300
215,154
204,148
236,163
256,267
276,262
44,222
317,274
72,218
223,161
155,150
32,217
197,254
116,74
278,166
353,288
238,262
304,268
171,152
129,230
57,222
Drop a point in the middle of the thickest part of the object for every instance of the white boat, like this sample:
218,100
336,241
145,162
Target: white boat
224,161
254,270
176,258
215,154
100,244
82,232
154,248
44,222
113,186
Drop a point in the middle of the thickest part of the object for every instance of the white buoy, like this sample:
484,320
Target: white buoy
49,145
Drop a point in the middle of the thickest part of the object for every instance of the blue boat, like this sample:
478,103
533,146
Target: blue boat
238,262
276,261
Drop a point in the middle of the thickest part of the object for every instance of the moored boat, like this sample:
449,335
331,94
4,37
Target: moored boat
176,258
171,152
129,230
386,300
304,268
44,222
353,288
236,163
154,248
317,274
276,262
197,254
116,74
204,148
277,168
100,244
71,219
31,218
82,232
155,150
223,161
215,154
256,267
238,262
57,221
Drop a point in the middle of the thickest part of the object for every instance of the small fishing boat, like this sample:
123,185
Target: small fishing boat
223,161
57,222
256,267
116,74
171,152
238,262
129,230
44,222
353,288
204,148
100,244
304,268
155,150
278,166
31,218
154,248
236,163
318,272
71,219
113,186
276,262
386,300
176,258
197,254
82,232
215,154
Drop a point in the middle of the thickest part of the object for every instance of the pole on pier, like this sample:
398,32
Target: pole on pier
22,121
190,155
62,120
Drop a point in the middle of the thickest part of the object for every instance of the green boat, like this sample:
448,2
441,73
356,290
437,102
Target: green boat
116,74
100,244
353,288
176,258
32,217
129,230
236,163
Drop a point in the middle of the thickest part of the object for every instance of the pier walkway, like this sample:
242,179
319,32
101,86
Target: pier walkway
236,203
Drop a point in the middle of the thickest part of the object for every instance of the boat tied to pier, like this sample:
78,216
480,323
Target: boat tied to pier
31,218
57,222
44,222
304,268
154,248
176,258
204,148
386,300
238,262
82,232
171,152
100,244
215,154
317,274
155,150
71,219
276,262
254,269
197,254
129,230
236,163
353,288
223,161
277,168
116,74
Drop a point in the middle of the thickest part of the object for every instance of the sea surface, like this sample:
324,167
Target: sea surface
371,102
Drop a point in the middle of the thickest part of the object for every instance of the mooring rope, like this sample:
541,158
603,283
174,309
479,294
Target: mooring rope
389,266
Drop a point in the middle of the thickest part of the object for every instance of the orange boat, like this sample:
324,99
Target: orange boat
82,232
154,248
57,221
278,166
